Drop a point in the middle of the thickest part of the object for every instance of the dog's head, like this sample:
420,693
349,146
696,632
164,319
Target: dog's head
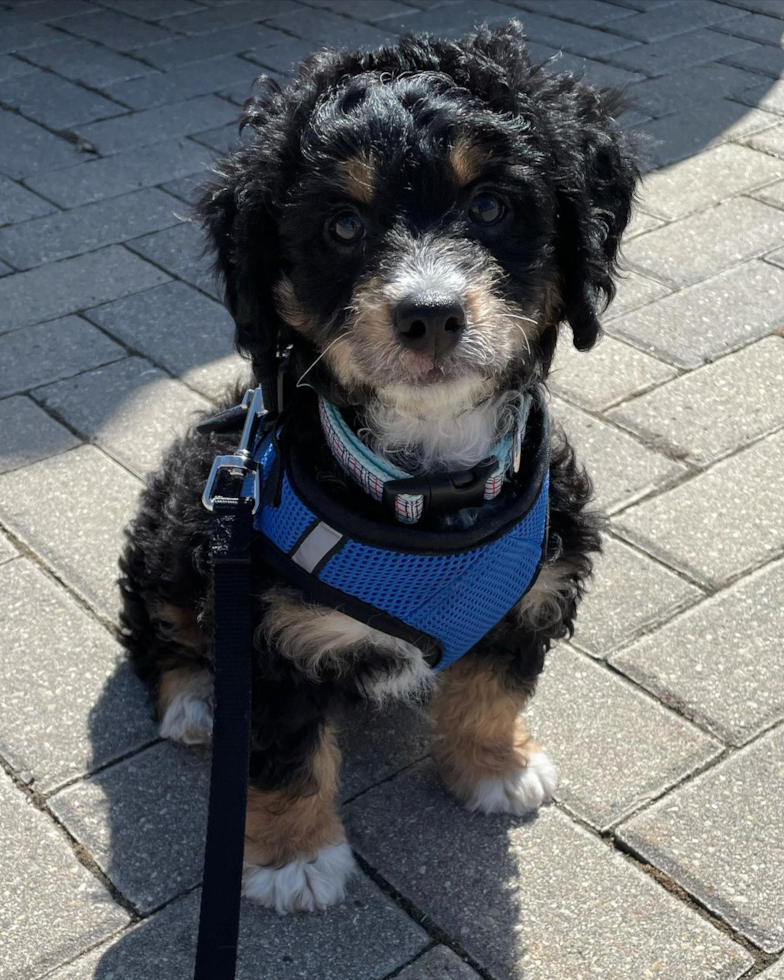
424,216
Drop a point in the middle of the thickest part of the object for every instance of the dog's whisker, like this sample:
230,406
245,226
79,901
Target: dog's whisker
308,369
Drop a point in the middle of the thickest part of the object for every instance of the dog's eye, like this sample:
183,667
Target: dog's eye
347,227
486,209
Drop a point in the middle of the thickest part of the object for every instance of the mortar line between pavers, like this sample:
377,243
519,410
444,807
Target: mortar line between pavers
414,959
650,696
665,881
681,373
85,87
687,898
97,770
126,930
66,135
78,850
419,916
26,551
20,182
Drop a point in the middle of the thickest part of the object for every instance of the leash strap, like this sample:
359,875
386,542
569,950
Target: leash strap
216,952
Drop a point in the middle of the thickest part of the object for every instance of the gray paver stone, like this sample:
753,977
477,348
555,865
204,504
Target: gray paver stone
27,149
536,899
364,939
761,59
701,127
720,838
721,523
50,351
227,15
46,893
622,470
766,95
27,434
682,51
634,290
771,141
131,409
692,86
18,204
708,178
318,25
711,412
610,372
640,223
143,820
775,972
438,964
73,284
115,30
91,64
582,714
21,37
123,172
213,75
187,50
739,229
93,499
628,595
66,233
70,701
158,124
757,27
378,742
284,55
722,662
55,102
679,18
773,194
180,250
180,328
708,320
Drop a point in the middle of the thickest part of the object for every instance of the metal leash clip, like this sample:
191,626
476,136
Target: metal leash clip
241,463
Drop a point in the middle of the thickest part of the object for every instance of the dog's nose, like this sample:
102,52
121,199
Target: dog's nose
430,322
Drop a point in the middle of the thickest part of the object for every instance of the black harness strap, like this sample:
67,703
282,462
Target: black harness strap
216,953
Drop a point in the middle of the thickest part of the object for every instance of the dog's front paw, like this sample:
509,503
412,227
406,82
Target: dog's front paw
520,792
188,714
302,885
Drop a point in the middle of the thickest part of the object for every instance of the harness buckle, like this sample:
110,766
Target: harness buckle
241,463
444,492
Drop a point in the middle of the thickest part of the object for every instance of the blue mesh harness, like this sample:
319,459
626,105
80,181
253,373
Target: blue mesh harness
442,590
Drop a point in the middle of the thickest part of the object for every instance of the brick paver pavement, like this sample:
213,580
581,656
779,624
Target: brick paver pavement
663,856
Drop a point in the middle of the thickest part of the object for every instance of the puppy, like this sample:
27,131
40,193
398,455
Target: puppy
415,224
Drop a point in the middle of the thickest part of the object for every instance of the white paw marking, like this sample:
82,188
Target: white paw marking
521,793
301,885
188,717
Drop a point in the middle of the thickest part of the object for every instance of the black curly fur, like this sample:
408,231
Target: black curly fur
576,173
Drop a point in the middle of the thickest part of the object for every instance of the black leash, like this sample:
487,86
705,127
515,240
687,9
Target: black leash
231,530
216,952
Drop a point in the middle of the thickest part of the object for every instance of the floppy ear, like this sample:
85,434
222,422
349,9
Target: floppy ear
236,210
597,171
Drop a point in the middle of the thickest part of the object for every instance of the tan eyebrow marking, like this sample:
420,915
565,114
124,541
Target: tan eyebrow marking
358,176
466,159
289,306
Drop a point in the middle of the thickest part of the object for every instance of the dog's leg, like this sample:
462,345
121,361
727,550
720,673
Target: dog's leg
485,755
296,855
185,705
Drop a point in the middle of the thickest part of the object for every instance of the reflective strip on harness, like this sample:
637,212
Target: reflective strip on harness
317,544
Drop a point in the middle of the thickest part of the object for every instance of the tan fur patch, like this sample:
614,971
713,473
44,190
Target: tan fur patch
290,308
358,176
479,733
172,683
466,159
178,623
281,827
